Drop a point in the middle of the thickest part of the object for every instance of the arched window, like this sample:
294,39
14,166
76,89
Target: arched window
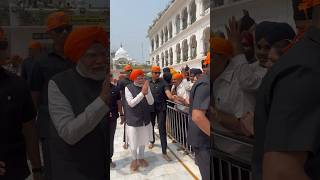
178,21
157,41
184,18
152,45
162,37
178,52
193,11
185,50
170,30
171,56
193,46
157,60
167,58
166,34
206,40
162,60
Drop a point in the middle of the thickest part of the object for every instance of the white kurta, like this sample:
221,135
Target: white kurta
138,136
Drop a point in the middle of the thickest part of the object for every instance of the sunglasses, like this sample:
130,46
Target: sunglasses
3,45
156,72
62,29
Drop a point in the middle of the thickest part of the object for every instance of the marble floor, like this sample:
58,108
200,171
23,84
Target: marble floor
158,168
182,167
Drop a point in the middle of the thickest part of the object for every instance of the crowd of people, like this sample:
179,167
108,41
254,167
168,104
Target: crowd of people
264,87
60,109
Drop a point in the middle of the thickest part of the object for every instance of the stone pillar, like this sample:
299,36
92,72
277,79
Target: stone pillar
199,8
189,16
189,49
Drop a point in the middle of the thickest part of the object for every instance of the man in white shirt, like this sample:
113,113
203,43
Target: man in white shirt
179,91
138,106
78,105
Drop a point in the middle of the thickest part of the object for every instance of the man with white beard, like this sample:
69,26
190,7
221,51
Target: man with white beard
78,105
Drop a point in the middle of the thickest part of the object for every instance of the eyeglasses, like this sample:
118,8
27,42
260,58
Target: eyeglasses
62,29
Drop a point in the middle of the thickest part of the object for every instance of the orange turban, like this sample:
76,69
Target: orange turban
34,45
207,60
80,40
56,20
306,4
135,74
177,76
221,46
155,69
127,67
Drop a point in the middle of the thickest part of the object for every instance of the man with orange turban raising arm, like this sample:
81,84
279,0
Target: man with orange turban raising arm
138,106
78,105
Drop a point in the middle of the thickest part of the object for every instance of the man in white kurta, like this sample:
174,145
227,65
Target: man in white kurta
138,107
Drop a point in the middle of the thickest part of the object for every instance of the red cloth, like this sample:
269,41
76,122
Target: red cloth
177,76
221,46
127,67
207,59
155,69
136,73
57,19
80,40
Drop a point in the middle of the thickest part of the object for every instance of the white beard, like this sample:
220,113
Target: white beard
83,70
139,85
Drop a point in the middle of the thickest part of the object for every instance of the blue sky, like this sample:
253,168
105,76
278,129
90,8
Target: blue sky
129,22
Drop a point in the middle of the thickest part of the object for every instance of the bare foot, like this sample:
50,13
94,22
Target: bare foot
143,163
134,165
151,145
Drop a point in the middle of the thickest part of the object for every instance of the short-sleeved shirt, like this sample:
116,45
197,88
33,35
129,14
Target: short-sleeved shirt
16,109
158,90
115,97
45,67
287,115
200,100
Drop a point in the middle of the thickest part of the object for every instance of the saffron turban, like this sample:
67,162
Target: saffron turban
127,68
177,76
136,73
80,40
34,45
57,19
221,46
207,59
155,69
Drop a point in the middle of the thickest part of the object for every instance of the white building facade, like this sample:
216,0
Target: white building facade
180,35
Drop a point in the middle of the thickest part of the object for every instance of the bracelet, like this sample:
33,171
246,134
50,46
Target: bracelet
36,170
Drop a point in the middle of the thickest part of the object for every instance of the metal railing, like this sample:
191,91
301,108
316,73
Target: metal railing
230,153
177,124
231,156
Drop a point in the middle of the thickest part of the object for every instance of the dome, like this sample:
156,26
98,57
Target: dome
121,53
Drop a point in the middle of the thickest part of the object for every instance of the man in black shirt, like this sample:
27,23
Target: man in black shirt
121,86
18,135
199,125
44,69
161,92
27,65
115,109
287,126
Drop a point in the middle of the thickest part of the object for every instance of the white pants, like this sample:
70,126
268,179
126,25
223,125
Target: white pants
137,153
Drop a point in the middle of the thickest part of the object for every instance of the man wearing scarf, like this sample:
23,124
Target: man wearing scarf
138,107
78,105
287,114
